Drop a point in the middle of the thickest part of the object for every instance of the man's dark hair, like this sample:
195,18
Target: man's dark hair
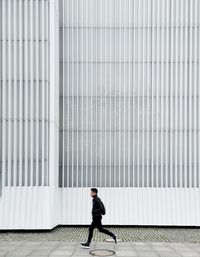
94,190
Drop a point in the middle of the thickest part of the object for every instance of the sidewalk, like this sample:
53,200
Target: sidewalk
127,234
136,241
122,249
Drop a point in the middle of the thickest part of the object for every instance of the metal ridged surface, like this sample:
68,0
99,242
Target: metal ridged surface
29,113
25,92
133,206
129,94
129,111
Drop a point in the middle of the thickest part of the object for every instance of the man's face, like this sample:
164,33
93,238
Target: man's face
92,193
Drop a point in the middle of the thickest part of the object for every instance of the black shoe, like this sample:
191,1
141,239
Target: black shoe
85,245
115,238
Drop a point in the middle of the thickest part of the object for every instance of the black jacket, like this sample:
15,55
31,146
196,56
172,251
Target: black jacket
97,207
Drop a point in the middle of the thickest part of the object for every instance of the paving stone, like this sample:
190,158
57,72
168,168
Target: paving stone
32,243
39,255
147,254
125,253
40,252
196,249
8,247
142,248
20,252
62,252
68,243
60,255
45,247
136,242
189,254
52,242
163,249
3,252
81,253
16,255
168,254
121,248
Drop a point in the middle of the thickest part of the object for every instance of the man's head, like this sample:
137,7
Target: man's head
93,192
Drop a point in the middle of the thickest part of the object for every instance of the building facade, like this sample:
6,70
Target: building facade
105,94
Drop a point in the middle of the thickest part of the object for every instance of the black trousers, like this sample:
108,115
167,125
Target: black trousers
96,222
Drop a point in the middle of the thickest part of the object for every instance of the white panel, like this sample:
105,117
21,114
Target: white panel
128,114
144,206
128,75
25,208
29,105
24,85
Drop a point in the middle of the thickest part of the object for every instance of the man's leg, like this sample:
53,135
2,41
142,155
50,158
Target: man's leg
103,230
91,229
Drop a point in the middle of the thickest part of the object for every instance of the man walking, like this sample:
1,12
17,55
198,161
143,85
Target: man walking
98,210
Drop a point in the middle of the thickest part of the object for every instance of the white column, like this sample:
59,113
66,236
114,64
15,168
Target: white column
54,107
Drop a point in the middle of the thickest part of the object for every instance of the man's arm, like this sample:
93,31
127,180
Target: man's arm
101,207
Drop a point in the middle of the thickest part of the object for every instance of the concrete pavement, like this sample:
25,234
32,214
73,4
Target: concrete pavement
122,249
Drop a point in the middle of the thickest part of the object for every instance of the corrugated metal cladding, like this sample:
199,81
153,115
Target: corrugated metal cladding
129,111
24,92
129,93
